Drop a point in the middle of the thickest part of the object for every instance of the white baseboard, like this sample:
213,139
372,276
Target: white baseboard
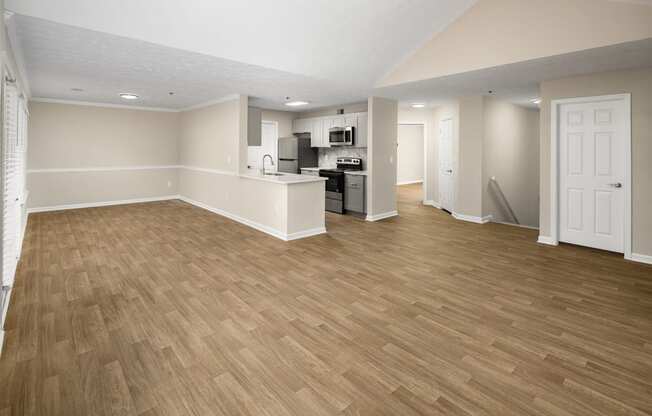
408,183
257,226
641,258
543,239
2,340
101,204
306,233
432,203
471,218
382,216
516,225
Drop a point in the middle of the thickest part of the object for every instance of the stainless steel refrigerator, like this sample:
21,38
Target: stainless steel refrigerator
294,153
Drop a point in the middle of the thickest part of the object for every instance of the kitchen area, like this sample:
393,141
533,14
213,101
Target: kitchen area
331,145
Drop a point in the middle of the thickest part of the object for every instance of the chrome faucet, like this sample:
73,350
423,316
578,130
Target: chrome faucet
271,159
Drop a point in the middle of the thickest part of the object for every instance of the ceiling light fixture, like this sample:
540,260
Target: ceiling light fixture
536,101
128,96
418,105
296,103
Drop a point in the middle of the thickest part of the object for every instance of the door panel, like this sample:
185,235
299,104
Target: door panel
446,164
592,174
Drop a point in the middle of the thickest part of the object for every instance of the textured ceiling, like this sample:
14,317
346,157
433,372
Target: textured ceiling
58,58
324,51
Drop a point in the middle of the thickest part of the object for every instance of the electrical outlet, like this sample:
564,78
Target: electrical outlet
169,184
228,160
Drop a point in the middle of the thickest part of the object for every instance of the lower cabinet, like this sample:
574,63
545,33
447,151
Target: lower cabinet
354,193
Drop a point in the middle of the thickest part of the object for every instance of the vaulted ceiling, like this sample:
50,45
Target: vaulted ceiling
323,51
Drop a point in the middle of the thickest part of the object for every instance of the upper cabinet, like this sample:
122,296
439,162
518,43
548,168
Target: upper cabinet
319,127
254,127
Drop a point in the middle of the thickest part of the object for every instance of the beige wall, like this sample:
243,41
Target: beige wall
469,151
511,154
84,138
638,83
410,153
381,156
78,136
498,32
284,120
209,137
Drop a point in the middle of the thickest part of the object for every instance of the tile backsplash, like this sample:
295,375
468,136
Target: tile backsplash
328,155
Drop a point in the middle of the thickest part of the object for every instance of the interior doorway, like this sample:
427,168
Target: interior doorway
411,157
591,172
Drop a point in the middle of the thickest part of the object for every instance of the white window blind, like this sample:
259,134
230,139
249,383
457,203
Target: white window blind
12,181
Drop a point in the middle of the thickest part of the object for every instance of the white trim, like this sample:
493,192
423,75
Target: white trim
432,203
306,233
544,239
257,226
207,170
641,258
408,183
554,164
105,105
424,190
471,218
103,169
102,203
382,216
515,225
224,99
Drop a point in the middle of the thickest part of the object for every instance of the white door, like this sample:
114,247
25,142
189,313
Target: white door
592,173
446,164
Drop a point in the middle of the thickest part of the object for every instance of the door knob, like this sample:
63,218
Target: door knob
616,185
449,170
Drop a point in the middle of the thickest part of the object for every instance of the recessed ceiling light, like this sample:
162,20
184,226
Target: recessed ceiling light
128,96
536,101
296,103
418,105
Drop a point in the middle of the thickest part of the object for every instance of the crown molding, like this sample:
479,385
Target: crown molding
94,104
224,99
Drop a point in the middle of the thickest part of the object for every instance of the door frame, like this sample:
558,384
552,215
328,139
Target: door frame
555,106
424,186
275,123
453,165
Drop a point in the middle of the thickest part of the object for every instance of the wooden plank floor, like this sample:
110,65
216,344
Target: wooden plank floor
167,309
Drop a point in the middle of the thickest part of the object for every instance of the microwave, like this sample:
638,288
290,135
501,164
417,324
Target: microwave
340,136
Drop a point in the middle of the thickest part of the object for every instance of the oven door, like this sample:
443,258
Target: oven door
334,182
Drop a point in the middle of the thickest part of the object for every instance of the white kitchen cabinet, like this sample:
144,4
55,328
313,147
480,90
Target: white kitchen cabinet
317,133
351,120
360,139
319,127
339,121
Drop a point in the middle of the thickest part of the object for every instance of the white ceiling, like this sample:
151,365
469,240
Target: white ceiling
324,51
519,82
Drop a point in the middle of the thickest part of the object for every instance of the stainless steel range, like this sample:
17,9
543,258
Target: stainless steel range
335,182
